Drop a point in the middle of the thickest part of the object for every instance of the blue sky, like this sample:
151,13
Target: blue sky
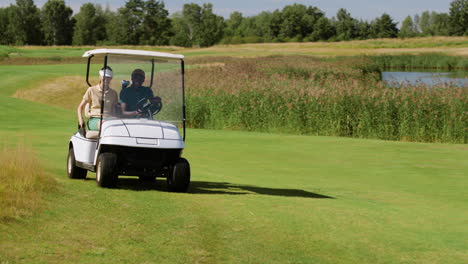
361,9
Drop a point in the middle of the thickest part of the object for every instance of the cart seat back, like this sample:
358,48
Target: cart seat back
92,134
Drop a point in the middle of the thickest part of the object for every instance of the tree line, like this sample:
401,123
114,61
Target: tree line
147,22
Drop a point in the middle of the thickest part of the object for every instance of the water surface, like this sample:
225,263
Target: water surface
396,79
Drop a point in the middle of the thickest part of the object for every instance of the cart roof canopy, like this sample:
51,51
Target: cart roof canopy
141,54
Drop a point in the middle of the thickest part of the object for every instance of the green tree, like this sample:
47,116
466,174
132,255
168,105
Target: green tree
181,31
323,30
211,27
294,23
432,24
130,22
345,25
262,24
253,29
441,24
5,38
416,21
13,31
407,28
198,26
16,30
233,23
156,24
425,23
364,30
139,22
232,26
247,29
25,23
192,18
298,21
90,25
458,21
384,27
57,23
114,26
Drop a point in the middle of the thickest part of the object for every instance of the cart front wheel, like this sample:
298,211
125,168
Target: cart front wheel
179,179
105,172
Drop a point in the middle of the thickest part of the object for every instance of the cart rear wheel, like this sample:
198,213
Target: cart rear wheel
179,179
73,171
105,172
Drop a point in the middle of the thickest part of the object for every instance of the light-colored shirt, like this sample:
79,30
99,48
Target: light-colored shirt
93,96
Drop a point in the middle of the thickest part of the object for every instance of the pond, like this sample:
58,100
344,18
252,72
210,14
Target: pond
396,78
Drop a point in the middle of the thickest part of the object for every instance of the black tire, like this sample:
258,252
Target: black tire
179,178
105,170
73,171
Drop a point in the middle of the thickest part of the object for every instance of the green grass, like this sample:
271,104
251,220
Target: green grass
50,52
258,198
254,198
64,51
15,76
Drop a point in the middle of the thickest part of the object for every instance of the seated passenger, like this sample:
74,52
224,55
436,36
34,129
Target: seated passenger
93,97
130,96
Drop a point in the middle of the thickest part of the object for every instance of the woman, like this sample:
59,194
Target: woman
93,97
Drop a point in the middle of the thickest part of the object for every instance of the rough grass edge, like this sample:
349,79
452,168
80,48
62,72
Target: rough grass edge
24,183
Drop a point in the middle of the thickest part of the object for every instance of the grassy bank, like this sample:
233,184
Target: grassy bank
456,46
312,96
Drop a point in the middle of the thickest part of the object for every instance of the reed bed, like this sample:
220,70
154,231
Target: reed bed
312,96
23,183
426,61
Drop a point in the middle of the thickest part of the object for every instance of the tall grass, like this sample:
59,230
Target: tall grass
426,61
316,97
23,183
65,92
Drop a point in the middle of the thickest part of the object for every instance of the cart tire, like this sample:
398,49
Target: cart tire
106,176
179,179
73,171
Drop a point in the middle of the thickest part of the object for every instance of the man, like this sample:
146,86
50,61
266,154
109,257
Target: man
130,96
93,97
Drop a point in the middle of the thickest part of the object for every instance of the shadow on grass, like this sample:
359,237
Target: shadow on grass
135,184
202,187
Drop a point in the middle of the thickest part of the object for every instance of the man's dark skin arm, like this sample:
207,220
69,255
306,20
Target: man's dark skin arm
128,113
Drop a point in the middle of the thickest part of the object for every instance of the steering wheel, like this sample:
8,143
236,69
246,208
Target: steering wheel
149,106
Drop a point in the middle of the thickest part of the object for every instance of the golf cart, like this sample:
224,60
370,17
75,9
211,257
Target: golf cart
147,146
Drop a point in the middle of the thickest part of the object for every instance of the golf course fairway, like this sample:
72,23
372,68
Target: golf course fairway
254,197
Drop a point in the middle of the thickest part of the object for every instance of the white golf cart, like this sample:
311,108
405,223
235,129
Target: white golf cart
147,146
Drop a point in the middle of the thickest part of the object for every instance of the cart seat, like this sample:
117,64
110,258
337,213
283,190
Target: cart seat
91,134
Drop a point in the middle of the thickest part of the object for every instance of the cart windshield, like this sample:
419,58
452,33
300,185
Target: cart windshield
149,88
